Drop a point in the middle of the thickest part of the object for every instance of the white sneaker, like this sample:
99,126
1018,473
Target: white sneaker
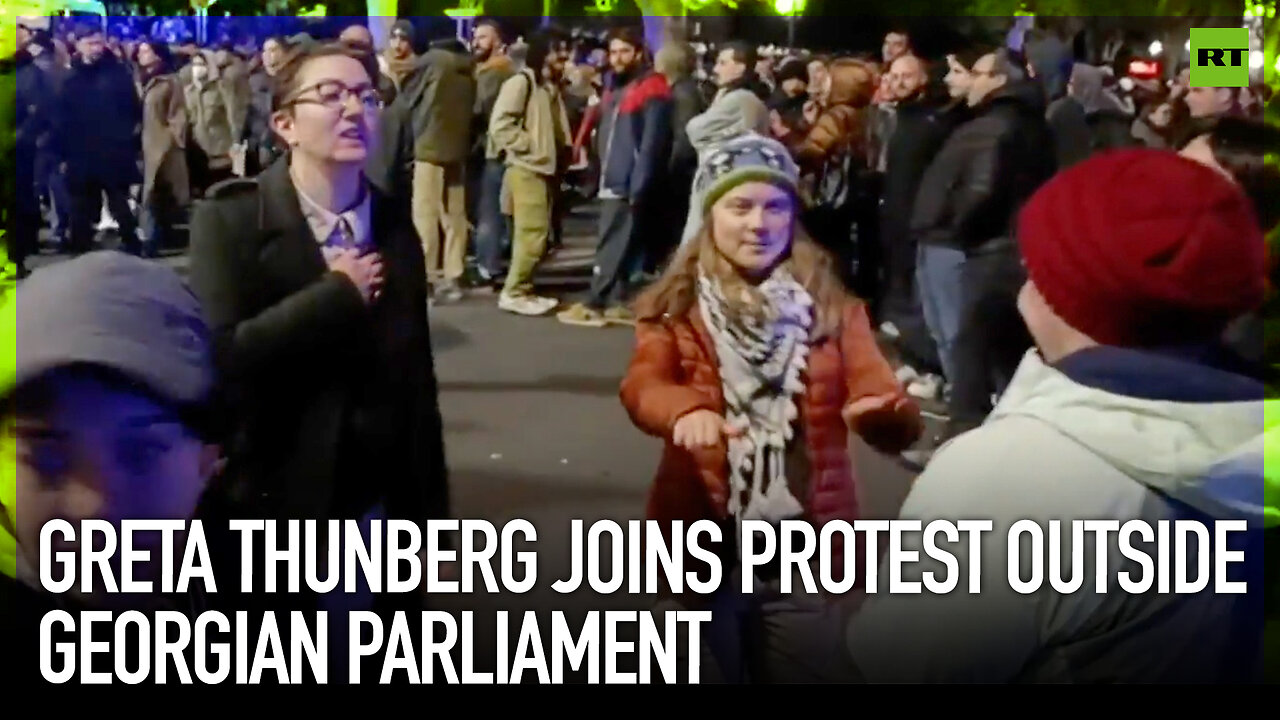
527,305
925,388
907,375
106,222
890,330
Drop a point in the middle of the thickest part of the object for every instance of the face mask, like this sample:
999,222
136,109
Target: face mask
199,73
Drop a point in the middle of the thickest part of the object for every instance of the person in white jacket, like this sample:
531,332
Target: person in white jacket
1137,260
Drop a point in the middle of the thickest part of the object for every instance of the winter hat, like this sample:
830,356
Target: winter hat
792,69
115,311
402,28
1144,248
748,158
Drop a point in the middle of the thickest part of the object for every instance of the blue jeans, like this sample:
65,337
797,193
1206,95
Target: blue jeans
938,273
493,236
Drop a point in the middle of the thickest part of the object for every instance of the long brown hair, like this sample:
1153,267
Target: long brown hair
675,293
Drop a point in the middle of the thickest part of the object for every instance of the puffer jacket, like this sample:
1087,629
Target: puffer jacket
842,124
674,371
986,170
1105,434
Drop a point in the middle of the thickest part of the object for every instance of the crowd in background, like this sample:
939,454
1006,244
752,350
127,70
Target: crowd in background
834,220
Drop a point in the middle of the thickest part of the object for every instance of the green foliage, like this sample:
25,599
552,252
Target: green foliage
8,141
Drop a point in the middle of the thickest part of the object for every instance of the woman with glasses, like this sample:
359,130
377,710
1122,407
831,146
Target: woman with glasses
315,286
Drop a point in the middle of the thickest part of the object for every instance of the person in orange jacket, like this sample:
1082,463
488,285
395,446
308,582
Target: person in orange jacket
753,365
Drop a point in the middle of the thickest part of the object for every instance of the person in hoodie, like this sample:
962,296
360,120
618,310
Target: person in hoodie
1125,410
99,128
108,409
963,217
634,139
1089,119
442,94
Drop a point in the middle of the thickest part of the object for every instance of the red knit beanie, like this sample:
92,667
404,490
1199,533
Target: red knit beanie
1144,248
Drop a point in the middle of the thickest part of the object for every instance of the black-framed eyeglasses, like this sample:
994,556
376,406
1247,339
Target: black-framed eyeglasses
334,94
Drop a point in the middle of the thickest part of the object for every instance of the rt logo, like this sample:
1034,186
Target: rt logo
1219,57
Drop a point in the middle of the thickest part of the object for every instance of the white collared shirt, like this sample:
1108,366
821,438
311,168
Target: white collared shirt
323,221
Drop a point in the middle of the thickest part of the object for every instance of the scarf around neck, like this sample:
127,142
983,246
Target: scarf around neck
762,362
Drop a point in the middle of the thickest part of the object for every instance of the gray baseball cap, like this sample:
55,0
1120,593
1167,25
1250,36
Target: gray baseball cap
117,311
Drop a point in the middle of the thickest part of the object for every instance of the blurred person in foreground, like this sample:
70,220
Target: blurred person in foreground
1238,148
315,287
108,415
1127,409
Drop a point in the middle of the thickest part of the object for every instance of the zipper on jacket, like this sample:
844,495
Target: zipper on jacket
608,147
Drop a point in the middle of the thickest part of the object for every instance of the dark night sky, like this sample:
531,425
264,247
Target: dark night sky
826,27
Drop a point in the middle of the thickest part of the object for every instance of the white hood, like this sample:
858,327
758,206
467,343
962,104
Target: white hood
1207,455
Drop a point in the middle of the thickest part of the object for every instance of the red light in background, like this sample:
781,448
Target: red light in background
1144,69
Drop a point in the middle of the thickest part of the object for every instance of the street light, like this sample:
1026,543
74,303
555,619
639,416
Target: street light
1156,48
792,9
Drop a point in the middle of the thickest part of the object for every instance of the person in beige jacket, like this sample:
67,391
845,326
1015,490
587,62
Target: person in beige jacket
529,129
217,111
166,184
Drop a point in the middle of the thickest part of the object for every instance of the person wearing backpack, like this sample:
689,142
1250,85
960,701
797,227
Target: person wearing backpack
530,129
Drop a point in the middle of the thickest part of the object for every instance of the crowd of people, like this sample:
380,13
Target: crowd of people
1069,266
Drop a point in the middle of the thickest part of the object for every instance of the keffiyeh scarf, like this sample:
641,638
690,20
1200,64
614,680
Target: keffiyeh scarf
762,361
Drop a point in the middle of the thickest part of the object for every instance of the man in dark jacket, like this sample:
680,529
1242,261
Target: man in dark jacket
442,94
968,200
736,70
1089,119
33,98
99,118
676,62
925,117
634,142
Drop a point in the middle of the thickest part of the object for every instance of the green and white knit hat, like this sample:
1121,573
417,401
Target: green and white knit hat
749,158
